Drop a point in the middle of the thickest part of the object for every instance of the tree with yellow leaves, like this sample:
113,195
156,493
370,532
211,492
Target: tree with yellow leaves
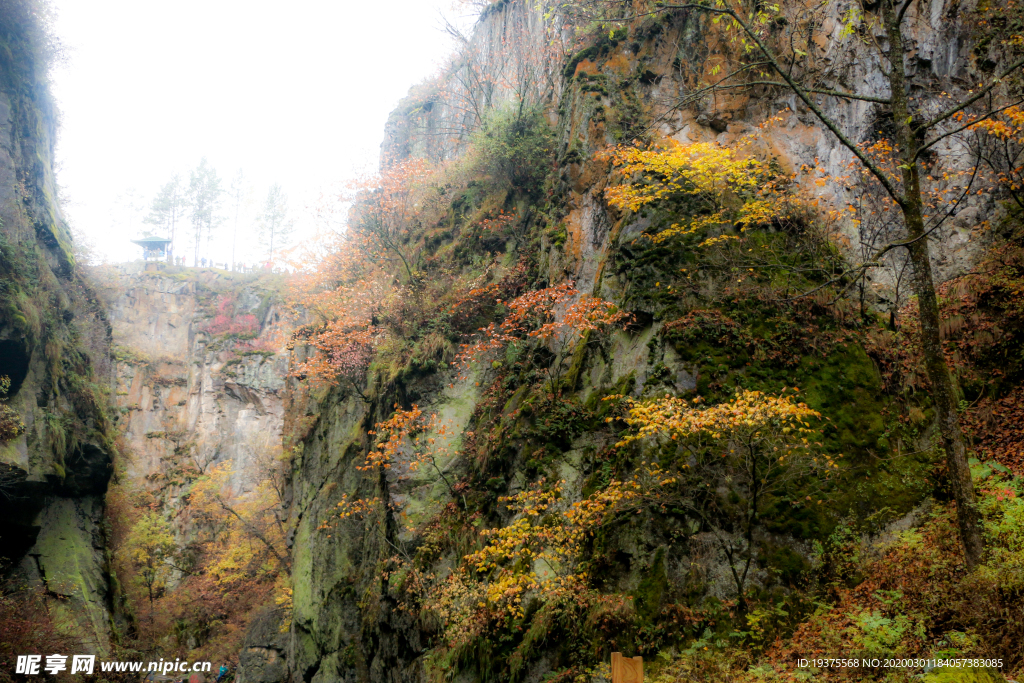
726,186
410,441
732,458
782,46
539,554
150,548
242,534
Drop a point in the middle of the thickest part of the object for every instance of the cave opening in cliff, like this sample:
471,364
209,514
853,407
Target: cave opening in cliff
14,359
20,502
88,471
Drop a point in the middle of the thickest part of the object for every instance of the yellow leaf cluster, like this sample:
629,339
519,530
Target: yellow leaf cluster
751,412
540,550
729,184
244,538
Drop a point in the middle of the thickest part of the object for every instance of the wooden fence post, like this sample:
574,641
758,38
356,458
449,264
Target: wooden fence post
626,669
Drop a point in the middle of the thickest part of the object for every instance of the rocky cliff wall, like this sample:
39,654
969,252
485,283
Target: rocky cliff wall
510,56
54,348
349,623
190,395
658,74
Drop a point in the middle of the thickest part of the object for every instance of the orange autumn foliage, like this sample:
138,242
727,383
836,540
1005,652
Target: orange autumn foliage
385,207
559,313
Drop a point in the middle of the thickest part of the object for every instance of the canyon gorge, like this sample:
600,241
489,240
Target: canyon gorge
477,441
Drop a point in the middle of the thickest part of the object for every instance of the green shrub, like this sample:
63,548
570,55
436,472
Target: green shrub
515,148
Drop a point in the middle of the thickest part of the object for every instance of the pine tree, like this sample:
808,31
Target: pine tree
274,223
237,193
167,209
203,197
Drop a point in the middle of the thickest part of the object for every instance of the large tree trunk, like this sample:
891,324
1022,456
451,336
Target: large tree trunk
943,389
943,392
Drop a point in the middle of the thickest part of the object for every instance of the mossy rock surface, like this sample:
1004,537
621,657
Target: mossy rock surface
69,559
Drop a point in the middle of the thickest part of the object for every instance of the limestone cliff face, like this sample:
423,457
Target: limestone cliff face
186,395
54,348
508,54
335,635
658,72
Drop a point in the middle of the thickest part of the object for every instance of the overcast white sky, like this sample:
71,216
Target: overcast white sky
293,92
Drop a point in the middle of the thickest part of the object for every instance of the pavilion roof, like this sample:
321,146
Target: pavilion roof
151,241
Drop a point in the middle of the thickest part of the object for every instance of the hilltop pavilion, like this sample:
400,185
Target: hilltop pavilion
153,247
